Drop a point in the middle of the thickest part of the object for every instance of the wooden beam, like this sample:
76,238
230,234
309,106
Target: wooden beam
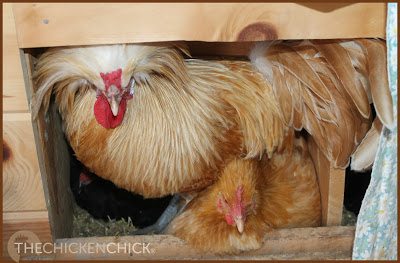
296,243
43,25
14,96
34,221
223,49
331,185
53,156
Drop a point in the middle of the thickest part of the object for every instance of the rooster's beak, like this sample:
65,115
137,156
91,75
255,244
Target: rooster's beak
239,224
114,106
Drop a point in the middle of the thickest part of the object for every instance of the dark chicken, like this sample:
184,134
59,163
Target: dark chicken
356,185
103,200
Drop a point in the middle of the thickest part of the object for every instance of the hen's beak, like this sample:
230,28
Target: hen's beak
114,106
239,224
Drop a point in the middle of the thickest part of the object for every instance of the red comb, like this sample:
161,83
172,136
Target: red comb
112,78
84,178
238,206
239,193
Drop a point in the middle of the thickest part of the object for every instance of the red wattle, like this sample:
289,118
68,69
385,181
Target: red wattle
103,113
229,219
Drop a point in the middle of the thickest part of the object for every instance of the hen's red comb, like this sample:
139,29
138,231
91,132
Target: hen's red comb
238,206
239,193
112,78
84,178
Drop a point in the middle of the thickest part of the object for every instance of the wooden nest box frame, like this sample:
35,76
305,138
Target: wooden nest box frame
36,194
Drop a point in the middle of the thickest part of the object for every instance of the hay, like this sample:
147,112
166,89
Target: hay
348,218
84,225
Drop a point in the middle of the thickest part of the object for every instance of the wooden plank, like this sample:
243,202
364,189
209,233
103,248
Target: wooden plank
36,222
22,184
38,25
223,49
53,156
297,243
14,95
331,184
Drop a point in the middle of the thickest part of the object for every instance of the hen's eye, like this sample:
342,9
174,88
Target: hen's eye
132,83
131,86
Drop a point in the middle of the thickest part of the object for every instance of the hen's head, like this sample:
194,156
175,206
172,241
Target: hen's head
110,105
113,72
237,196
234,211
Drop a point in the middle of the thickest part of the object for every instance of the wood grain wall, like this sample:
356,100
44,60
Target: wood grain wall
109,23
24,206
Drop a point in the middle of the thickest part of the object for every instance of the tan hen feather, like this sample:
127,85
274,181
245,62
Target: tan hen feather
363,158
325,87
377,73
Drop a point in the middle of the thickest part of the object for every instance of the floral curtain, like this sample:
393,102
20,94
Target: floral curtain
376,230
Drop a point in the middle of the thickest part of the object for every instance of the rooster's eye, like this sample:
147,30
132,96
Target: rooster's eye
131,86
132,83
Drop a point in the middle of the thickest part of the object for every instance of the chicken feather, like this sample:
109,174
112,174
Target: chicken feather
341,68
377,73
364,156
341,62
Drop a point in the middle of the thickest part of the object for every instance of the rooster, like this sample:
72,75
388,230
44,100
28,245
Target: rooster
156,122
250,198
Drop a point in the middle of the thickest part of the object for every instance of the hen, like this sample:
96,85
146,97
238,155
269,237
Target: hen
250,198
155,123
